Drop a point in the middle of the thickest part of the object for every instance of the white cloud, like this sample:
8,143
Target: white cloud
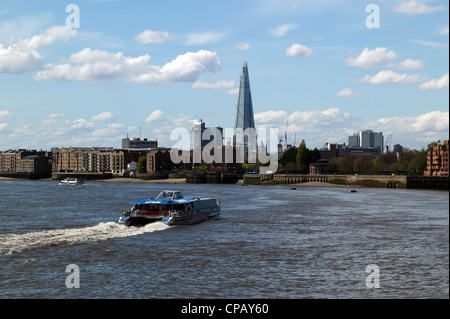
5,114
82,123
103,117
435,121
152,37
391,77
232,92
369,58
347,92
439,84
56,115
334,126
14,60
283,29
185,68
50,36
217,85
155,116
271,117
414,131
303,118
415,7
297,50
316,127
162,125
407,65
3,127
23,56
93,65
203,38
242,46
98,65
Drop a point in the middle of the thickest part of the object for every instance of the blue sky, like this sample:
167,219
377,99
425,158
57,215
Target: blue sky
158,65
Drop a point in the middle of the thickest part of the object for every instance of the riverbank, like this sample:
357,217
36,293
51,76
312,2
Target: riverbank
138,180
290,181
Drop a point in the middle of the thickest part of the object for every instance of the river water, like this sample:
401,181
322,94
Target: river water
269,242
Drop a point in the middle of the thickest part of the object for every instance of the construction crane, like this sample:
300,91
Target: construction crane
285,133
389,143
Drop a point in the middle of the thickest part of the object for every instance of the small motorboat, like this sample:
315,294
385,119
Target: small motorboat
73,181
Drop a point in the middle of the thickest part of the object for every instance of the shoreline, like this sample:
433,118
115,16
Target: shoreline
179,181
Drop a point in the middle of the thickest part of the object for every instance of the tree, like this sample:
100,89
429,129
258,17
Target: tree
432,144
290,156
142,164
303,157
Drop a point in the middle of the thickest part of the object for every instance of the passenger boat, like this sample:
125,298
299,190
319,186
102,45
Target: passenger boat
172,208
72,181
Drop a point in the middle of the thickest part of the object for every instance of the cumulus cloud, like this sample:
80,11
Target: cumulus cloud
23,56
93,65
155,116
162,125
415,7
98,65
316,127
391,77
334,126
283,29
103,117
152,37
297,50
435,121
14,60
185,68
307,118
5,114
406,65
414,131
347,92
82,123
439,84
3,127
50,36
369,58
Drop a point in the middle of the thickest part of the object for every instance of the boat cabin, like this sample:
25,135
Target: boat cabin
170,195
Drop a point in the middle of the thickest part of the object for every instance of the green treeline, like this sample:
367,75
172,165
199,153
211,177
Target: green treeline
297,160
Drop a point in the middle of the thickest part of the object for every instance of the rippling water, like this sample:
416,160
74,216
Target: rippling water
270,242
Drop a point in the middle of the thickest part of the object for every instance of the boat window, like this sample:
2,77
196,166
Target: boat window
178,195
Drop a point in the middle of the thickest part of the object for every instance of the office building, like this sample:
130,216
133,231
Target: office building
366,142
138,143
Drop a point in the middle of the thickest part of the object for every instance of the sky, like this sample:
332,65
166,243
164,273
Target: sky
89,73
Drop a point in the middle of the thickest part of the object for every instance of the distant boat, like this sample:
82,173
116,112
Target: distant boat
352,191
172,208
72,181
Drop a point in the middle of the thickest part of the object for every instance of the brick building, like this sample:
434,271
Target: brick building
437,160
25,161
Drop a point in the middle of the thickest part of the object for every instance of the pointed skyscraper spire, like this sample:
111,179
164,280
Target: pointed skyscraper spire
244,113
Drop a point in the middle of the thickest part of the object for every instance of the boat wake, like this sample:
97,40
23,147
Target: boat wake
16,243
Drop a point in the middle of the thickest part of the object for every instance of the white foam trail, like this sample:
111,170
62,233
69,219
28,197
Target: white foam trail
15,243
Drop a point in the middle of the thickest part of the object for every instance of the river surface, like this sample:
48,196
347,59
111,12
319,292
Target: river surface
269,242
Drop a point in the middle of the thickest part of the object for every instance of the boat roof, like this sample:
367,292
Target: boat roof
168,197
185,199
